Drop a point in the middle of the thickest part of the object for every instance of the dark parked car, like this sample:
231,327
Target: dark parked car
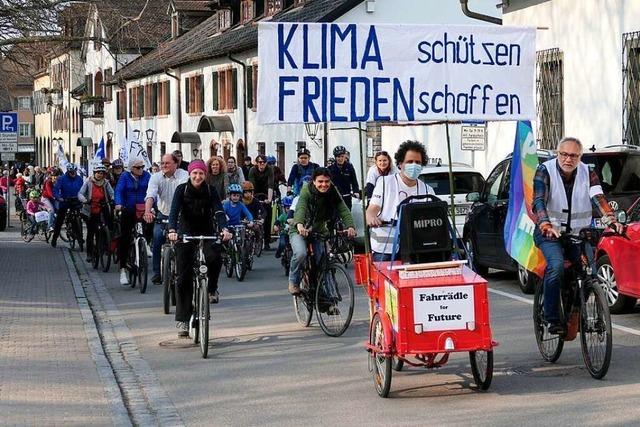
618,168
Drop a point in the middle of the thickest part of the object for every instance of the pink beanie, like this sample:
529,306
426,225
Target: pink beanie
197,164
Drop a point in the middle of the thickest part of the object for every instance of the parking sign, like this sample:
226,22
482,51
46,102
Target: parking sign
9,128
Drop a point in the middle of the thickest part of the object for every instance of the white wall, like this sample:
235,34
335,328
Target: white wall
589,33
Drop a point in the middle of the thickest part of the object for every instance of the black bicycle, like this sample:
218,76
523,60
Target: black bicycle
28,230
327,288
101,256
583,308
138,262
236,253
72,232
199,323
168,267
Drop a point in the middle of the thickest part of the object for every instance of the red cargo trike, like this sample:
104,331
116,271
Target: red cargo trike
420,321
421,312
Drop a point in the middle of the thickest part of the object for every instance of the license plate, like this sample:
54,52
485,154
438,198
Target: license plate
462,210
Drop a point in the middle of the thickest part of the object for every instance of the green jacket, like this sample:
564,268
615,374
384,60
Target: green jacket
318,209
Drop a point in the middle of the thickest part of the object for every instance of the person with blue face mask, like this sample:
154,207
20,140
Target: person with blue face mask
389,192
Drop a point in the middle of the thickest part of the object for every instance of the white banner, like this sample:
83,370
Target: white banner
444,307
333,72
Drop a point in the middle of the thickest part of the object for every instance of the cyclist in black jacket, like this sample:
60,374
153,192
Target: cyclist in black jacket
343,175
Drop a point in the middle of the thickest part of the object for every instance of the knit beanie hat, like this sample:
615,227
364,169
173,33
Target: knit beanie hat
197,164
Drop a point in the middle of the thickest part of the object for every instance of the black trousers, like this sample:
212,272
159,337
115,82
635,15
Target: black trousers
127,223
61,213
267,224
93,221
186,253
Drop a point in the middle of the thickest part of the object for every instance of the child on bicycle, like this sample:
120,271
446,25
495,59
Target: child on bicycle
281,225
235,210
35,205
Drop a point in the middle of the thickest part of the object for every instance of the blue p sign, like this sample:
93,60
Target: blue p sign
9,122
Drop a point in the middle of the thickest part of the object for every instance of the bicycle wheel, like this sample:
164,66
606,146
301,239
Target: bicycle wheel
303,303
63,232
78,233
24,228
550,346
240,263
105,253
334,300
203,318
482,368
286,260
228,263
595,330
46,233
258,243
379,364
194,321
143,264
167,277
43,232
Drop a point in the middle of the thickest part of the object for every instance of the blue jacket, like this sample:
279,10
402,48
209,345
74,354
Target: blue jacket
298,173
235,213
67,187
344,178
130,191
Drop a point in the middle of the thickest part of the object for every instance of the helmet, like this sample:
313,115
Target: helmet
117,163
34,194
71,167
339,150
286,201
99,168
247,186
304,151
271,160
234,189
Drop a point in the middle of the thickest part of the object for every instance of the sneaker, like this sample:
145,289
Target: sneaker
50,230
333,310
214,298
124,280
54,242
156,279
183,329
294,289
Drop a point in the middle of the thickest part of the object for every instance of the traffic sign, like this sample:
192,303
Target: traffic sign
9,128
474,138
8,147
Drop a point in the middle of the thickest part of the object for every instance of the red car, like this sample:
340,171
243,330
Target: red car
617,268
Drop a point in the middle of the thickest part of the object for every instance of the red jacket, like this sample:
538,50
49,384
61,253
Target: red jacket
47,189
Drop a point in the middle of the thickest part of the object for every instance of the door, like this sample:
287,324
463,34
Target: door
500,208
484,222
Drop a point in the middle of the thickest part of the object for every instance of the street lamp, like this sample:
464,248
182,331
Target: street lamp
136,132
109,136
149,133
312,131
195,153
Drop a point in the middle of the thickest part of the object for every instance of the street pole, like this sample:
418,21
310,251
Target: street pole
451,189
6,174
363,181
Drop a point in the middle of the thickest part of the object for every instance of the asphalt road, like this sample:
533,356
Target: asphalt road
264,369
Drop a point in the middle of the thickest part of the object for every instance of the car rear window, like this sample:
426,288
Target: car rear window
618,172
463,182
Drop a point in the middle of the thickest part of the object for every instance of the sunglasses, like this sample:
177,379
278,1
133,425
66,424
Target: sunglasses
137,167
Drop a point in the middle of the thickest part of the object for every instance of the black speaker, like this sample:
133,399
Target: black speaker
424,232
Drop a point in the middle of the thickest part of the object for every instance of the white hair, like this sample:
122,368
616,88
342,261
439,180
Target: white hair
135,161
569,139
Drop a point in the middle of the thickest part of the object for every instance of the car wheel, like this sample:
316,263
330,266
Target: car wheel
471,256
526,280
617,302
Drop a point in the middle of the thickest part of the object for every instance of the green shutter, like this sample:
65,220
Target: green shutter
214,89
131,102
186,95
249,84
201,91
154,99
167,97
140,101
234,88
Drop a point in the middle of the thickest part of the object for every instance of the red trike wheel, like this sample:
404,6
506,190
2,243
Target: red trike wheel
482,368
380,363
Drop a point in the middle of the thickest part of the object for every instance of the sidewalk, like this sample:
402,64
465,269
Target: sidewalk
47,374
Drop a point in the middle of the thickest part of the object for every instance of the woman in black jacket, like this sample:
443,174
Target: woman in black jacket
194,213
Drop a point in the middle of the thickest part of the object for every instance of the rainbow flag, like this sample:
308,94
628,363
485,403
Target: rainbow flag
519,226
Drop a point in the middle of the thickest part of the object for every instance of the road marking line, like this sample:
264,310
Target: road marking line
530,302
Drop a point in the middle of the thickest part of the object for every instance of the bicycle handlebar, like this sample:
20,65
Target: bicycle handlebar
186,238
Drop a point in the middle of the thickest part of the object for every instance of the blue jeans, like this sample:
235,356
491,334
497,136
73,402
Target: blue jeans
299,248
156,245
553,280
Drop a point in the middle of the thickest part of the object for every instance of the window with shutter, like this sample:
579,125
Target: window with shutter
154,99
201,93
167,98
234,88
249,83
214,90
131,103
255,87
186,96
108,89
